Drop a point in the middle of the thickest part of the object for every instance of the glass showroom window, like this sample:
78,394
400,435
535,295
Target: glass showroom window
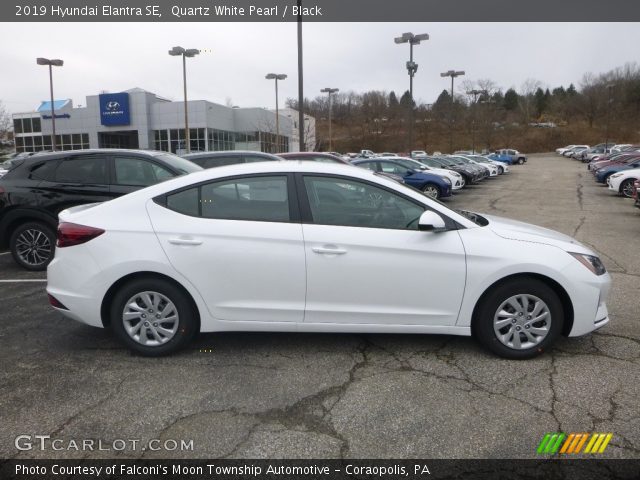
161,140
36,124
197,139
177,140
17,125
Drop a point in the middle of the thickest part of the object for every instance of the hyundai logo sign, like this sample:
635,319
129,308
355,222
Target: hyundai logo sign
114,109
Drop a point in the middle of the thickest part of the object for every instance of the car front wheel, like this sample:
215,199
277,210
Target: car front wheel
519,319
626,187
32,245
153,317
431,190
520,161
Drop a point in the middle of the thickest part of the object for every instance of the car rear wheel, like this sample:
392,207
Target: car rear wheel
32,245
519,319
626,187
153,317
431,190
520,161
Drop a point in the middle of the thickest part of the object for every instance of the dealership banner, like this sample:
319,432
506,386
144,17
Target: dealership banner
149,469
321,11
114,109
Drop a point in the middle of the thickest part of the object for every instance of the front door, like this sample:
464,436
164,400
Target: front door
367,263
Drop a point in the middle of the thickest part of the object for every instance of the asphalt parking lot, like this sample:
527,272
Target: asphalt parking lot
250,395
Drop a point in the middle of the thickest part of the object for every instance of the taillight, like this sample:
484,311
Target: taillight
70,234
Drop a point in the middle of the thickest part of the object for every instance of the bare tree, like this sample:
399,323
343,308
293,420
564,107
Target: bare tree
6,123
526,100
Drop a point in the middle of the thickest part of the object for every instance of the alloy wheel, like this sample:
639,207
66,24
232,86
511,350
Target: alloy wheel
33,247
627,188
431,191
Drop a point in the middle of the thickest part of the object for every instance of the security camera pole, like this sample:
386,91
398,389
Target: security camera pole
412,68
190,52
51,63
453,74
276,77
329,91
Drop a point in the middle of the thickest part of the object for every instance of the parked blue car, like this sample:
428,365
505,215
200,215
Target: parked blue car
432,185
603,173
501,158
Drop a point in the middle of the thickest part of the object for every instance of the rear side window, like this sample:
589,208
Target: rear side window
45,170
262,199
82,169
222,161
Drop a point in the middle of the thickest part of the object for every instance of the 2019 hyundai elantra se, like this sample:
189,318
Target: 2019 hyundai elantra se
314,247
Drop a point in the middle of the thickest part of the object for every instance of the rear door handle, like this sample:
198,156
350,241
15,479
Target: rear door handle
185,241
329,250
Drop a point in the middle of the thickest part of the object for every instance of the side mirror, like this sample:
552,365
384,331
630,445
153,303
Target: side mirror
431,222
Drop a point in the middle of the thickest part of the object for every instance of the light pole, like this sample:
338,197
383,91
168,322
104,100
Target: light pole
412,68
329,92
453,74
51,63
301,143
606,139
188,52
475,94
276,77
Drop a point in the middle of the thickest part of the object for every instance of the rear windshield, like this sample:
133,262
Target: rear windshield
180,164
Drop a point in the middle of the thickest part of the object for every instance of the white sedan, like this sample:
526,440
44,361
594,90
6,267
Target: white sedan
622,182
312,247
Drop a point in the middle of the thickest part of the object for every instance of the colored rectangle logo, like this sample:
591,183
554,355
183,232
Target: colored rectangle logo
573,443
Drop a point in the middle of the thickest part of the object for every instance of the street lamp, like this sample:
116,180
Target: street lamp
453,74
606,139
276,77
189,52
412,68
51,63
330,91
475,94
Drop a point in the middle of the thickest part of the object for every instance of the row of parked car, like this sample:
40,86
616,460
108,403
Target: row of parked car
617,166
35,189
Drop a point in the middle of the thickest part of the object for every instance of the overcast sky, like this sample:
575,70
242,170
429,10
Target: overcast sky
351,56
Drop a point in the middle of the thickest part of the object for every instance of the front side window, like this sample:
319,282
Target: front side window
373,166
83,169
262,199
138,172
338,201
395,168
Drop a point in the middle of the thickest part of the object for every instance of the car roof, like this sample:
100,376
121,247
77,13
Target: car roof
66,153
227,153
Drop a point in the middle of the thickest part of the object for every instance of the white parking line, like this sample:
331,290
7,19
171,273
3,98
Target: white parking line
24,280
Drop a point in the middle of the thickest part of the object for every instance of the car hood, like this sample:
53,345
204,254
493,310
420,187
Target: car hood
526,232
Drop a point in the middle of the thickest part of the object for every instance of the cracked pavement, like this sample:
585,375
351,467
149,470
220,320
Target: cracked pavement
269,395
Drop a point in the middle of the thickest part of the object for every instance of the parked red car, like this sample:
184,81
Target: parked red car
618,160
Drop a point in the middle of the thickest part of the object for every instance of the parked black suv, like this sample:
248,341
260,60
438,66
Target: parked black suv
230,157
37,188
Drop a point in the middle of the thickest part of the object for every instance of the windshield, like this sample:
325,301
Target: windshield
405,162
180,164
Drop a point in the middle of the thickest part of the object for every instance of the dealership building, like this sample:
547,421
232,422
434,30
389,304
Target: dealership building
140,119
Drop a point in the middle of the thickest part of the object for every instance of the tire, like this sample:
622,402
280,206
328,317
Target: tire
431,190
626,187
502,299
500,170
520,161
151,297
33,245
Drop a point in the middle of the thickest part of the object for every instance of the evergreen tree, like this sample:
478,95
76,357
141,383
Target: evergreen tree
393,100
406,101
511,100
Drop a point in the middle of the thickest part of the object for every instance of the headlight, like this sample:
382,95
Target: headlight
592,262
616,175
446,179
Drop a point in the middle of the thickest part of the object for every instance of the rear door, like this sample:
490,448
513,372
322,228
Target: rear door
78,179
239,241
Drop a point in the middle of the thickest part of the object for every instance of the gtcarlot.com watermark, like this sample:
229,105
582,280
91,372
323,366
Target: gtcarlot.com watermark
46,443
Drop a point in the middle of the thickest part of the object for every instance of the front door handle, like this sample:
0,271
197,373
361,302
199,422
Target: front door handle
185,241
329,250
